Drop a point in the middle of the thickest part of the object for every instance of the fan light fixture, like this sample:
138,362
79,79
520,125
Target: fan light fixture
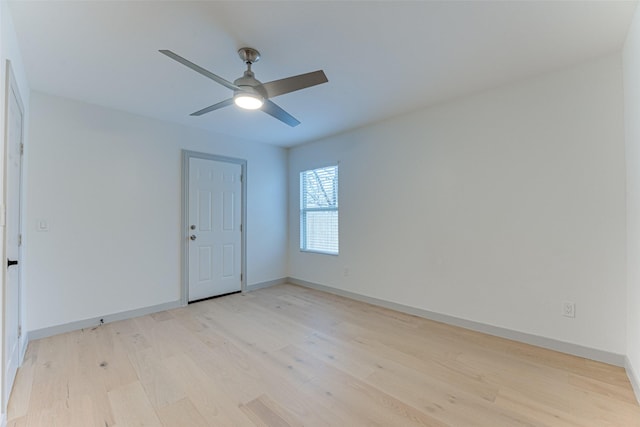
250,93
248,101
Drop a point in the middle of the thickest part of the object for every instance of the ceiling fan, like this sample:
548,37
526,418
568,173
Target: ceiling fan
249,93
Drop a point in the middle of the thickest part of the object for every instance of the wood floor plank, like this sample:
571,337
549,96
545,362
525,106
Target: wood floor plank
210,400
265,412
231,370
356,358
18,422
131,407
180,414
116,369
624,394
90,374
292,393
161,388
371,404
544,414
291,356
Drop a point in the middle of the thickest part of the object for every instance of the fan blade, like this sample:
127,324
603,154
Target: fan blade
273,110
199,69
213,107
291,84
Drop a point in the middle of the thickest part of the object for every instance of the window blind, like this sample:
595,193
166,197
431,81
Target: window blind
319,210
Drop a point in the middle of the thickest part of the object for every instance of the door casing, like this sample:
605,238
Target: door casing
184,234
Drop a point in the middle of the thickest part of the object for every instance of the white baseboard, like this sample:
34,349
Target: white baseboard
634,379
267,284
95,321
549,343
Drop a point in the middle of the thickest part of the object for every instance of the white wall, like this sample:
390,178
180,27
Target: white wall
631,63
10,51
494,208
109,185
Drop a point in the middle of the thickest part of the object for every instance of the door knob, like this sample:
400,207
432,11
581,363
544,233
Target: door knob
193,237
11,262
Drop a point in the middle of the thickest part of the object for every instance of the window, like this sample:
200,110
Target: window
319,210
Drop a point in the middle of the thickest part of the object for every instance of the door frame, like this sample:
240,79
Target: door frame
184,234
11,87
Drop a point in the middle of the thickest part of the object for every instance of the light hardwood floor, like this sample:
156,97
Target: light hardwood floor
290,356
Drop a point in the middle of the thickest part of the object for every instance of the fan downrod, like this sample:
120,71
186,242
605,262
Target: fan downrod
249,55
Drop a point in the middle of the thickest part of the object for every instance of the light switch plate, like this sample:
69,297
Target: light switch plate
42,225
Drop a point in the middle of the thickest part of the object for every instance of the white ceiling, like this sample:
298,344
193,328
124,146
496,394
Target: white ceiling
382,58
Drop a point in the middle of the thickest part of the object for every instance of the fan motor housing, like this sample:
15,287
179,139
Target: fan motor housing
250,84
246,89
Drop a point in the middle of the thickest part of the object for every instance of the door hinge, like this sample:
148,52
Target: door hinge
241,228
19,239
19,331
240,277
21,148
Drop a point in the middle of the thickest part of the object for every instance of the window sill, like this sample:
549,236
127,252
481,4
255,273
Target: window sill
308,251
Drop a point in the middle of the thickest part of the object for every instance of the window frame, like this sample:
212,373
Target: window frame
303,211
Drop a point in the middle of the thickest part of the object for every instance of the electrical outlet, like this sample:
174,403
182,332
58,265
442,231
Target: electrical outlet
569,309
346,271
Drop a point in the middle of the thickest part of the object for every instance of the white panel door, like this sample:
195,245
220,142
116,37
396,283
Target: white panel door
215,233
13,170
